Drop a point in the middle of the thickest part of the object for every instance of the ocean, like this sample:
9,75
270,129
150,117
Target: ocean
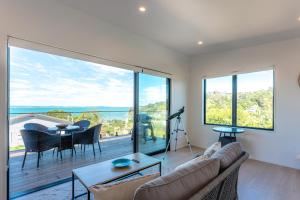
106,113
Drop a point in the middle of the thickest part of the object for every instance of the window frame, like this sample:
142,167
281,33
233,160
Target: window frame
234,103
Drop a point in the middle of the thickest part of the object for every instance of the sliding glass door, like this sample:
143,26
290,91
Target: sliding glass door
152,129
48,91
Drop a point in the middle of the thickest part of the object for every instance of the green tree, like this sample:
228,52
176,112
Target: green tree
254,109
130,118
60,114
113,127
93,117
158,113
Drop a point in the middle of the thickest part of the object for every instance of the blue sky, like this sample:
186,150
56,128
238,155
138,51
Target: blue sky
152,89
42,79
247,82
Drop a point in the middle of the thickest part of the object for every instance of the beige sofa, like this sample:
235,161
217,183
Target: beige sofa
213,178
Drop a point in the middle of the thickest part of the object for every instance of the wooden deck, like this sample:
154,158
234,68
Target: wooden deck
52,169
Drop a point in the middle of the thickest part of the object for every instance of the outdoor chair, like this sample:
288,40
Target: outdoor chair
38,127
89,136
145,126
83,124
38,141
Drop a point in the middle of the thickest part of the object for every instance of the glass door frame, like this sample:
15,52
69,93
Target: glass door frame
135,132
136,111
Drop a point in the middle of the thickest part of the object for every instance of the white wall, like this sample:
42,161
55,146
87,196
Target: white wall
3,124
46,22
279,147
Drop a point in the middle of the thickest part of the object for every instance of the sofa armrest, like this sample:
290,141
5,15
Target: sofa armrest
216,186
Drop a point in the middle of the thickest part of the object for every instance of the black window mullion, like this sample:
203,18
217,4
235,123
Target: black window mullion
135,113
234,100
168,128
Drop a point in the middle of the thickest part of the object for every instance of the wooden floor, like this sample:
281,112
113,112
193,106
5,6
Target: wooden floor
264,181
257,180
53,169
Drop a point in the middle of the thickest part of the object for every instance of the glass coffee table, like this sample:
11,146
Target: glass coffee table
104,172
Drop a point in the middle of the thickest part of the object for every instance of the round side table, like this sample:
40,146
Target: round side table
227,134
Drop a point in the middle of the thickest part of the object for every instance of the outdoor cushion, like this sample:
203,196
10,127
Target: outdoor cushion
121,190
228,154
180,184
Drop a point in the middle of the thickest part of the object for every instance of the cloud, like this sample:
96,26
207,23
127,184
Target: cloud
41,80
99,68
152,95
247,82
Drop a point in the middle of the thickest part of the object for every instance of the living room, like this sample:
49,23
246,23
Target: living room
186,46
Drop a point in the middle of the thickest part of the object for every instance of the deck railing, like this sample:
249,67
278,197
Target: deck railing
115,123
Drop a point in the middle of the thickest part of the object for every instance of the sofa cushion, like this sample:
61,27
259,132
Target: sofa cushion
195,160
121,190
181,183
228,154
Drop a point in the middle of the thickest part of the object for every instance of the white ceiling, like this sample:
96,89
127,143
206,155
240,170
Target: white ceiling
180,24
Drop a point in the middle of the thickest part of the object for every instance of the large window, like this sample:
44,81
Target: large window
47,89
218,100
243,100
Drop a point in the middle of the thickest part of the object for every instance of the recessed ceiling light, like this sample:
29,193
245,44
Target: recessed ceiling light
200,43
142,9
298,18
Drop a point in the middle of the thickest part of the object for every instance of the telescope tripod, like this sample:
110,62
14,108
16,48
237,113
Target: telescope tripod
176,131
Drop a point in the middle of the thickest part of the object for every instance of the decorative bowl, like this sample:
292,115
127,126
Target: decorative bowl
61,126
122,162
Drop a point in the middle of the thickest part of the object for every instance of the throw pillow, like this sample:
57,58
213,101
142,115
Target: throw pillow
206,155
212,149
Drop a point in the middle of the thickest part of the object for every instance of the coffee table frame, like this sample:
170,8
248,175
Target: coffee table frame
121,177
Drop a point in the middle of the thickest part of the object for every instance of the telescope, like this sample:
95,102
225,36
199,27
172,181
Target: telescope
177,114
178,128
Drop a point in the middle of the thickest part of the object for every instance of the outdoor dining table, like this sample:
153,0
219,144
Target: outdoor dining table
65,133
68,129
